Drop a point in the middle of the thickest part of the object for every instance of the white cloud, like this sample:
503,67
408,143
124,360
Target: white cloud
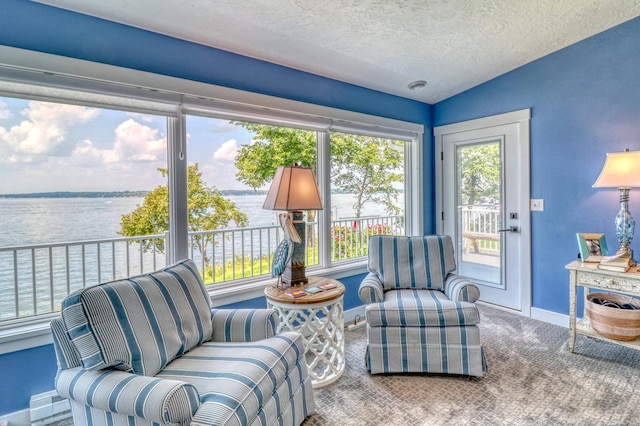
227,151
4,111
136,142
145,118
44,131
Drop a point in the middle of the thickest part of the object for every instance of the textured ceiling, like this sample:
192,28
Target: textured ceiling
380,44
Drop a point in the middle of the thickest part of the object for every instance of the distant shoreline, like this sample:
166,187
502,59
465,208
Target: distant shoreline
112,194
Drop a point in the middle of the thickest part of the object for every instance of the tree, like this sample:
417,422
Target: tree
368,167
365,166
480,174
273,147
208,210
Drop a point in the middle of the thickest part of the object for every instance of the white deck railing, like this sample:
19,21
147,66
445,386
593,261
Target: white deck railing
480,228
35,279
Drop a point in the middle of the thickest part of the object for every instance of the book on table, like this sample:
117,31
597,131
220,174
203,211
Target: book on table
619,262
313,290
295,292
327,286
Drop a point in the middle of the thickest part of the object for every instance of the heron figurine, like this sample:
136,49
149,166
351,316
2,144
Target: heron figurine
283,253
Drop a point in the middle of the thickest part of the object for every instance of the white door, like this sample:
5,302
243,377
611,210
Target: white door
483,196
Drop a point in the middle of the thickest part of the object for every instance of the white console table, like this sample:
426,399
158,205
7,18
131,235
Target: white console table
588,275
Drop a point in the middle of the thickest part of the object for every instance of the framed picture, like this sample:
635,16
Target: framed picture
592,247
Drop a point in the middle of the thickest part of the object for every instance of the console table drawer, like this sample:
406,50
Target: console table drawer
612,282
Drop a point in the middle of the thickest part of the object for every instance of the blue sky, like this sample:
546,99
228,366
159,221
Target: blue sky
55,147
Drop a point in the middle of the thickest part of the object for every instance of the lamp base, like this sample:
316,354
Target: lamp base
294,274
625,224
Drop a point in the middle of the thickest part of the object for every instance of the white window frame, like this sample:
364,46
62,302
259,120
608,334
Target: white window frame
43,76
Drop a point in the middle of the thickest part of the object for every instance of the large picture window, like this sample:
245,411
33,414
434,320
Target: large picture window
106,181
367,192
73,177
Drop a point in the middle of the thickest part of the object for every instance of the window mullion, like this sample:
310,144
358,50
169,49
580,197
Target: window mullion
413,188
178,203
323,176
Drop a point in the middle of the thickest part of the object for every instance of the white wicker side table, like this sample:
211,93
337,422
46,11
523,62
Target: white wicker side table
319,318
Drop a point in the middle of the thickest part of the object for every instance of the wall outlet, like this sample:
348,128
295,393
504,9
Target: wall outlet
537,205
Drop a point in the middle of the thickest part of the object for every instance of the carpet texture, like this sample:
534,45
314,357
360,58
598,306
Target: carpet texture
532,379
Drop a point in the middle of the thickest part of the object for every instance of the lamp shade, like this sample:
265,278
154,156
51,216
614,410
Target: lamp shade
293,188
620,170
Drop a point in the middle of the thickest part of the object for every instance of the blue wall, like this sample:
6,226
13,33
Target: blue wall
585,102
38,27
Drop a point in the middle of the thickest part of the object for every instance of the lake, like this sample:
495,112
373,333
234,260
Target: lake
46,275
27,221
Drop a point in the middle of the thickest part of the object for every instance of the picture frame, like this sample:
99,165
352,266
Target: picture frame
592,246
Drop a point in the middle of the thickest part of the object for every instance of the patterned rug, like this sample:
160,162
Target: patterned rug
532,380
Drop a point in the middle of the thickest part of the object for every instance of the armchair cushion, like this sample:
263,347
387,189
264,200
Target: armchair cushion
371,290
461,289
234,380
411,262
139,324
420,308
243,325
157,400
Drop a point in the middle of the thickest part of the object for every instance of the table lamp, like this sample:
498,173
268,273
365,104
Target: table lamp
294,189
622,170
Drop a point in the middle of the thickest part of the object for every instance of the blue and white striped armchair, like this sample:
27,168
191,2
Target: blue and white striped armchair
421,316
150,350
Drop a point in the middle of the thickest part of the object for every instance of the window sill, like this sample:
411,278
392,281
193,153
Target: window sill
26,334
251,290
36,332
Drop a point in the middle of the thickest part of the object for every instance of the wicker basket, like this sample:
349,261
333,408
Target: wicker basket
617,324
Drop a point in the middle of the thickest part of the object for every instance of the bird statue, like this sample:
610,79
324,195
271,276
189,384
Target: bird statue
284,251
290,232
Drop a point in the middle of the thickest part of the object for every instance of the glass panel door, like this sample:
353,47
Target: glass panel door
479,201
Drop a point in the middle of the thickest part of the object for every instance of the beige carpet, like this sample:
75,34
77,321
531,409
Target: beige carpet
532,380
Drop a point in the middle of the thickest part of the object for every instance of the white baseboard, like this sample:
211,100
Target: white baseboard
350,315
551,317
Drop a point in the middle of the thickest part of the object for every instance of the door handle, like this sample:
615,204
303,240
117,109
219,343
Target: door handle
509,229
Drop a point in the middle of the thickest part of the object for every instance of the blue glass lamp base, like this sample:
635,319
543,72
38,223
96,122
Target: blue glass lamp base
625,223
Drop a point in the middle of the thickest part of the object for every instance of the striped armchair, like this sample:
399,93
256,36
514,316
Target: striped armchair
420,315
150,350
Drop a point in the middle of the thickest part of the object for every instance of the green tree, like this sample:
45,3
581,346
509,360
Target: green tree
479,174
208,210
272,147
370,168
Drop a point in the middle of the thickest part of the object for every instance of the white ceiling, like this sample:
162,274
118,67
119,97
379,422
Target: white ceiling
380,44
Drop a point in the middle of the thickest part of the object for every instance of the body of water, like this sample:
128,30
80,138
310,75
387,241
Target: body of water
27,221
35,280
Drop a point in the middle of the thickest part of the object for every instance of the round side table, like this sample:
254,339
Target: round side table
319,318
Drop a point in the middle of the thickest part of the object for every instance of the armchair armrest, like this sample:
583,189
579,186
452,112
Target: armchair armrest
154,399
371,290
460,289
243,325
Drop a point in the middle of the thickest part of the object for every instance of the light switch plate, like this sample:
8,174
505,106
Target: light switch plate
537,205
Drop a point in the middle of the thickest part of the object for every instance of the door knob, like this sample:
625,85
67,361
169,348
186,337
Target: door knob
509,229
